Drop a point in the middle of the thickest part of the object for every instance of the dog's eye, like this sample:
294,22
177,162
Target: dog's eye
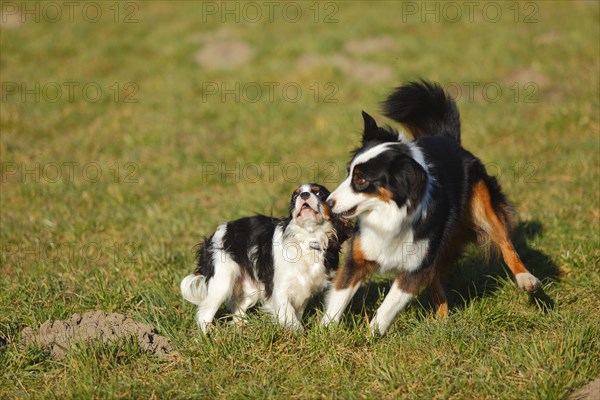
360,183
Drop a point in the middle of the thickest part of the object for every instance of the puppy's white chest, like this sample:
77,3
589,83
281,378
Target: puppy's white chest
310,266
302,270
299,265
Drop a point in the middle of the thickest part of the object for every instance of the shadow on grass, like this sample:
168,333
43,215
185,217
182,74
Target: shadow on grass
475,277
471,278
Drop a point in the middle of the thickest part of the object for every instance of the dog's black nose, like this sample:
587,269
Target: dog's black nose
330,203
304,195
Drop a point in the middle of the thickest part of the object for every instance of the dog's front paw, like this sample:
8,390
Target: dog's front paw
327,320
528,282
374,328
206,327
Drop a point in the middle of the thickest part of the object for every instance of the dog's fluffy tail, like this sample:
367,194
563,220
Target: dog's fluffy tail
193,288
425,109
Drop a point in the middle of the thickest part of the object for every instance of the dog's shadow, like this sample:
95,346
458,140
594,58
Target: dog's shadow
471,278
477,277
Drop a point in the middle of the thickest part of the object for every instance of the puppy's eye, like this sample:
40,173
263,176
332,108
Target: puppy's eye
360,183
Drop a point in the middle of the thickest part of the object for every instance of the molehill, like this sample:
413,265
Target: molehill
58,335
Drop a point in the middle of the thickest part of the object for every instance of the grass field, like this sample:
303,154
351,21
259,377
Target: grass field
131,130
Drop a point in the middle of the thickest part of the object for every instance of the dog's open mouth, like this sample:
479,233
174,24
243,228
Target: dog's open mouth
349,213
307,211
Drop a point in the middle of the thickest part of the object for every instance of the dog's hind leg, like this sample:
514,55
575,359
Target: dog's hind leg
246,294
220,288
490,220
439,296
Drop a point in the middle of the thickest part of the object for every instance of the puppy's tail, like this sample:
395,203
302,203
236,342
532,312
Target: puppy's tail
193,288
425,109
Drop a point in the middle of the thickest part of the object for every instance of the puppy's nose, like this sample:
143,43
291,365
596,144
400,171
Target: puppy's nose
304,195
330,203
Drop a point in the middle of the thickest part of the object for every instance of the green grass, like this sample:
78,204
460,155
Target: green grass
123,243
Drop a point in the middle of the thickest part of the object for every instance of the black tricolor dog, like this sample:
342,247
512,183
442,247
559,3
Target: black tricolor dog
281,262
418,203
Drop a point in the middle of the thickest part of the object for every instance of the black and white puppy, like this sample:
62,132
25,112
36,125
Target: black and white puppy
281,262
417,204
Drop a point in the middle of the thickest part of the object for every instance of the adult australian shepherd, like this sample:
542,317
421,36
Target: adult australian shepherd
417,204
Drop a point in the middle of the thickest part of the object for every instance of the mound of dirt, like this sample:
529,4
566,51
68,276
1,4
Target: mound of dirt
96,325
371,45
228,54
366,72
591,391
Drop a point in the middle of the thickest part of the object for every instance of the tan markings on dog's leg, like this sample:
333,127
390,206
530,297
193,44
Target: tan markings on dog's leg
487,219
413,282
347,282
439,296
356,267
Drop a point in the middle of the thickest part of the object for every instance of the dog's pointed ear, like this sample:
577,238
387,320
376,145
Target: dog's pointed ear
371,130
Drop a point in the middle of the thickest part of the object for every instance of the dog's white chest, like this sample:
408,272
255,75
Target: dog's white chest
398,252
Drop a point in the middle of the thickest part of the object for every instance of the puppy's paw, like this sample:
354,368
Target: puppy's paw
295,327
528,282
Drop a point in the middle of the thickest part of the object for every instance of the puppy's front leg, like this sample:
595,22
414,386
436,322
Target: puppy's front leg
286,316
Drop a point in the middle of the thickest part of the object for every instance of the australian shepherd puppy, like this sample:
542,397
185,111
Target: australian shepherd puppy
417,204
281,262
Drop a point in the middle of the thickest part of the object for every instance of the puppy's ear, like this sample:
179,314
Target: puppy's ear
410,180
370,130
293,200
